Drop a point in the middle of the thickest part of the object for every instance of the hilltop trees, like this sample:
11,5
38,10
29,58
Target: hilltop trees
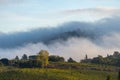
113,60
42,59
98,60
4,61
16,58
24,57
70,60
54,58
86,59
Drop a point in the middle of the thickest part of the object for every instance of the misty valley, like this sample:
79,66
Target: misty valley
71,51
59,39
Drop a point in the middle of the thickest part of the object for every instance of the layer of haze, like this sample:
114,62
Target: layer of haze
98,38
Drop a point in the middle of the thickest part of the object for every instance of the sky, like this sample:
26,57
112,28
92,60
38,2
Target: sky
69,28
22,15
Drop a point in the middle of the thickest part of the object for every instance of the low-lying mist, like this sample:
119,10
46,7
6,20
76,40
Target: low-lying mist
73,39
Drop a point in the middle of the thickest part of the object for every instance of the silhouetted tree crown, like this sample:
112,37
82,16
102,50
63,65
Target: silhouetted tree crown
86,56
24,57
71,60
4,61
16,58
54,58
113,60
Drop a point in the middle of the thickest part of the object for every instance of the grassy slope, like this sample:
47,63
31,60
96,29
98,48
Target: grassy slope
54,74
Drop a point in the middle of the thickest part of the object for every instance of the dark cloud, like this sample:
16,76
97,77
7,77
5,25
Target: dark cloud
92,31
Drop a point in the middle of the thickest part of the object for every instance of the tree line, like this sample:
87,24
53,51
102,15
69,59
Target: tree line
40,60
113,59
43,58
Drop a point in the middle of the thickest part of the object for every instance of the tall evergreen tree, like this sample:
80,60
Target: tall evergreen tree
24,57
86,56
16,58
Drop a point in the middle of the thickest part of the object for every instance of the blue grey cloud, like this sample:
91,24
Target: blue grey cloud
92,31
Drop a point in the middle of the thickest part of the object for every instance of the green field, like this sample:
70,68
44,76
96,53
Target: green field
54,74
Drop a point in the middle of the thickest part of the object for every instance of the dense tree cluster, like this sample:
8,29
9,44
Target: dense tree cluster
42,59
55,58
4,61
113,60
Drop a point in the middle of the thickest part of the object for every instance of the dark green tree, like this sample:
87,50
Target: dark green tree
16,58
4,61
24,57
54,58
98,60
86,56
70,60
116,54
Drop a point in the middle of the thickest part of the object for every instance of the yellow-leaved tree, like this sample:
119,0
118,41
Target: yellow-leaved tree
43,57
